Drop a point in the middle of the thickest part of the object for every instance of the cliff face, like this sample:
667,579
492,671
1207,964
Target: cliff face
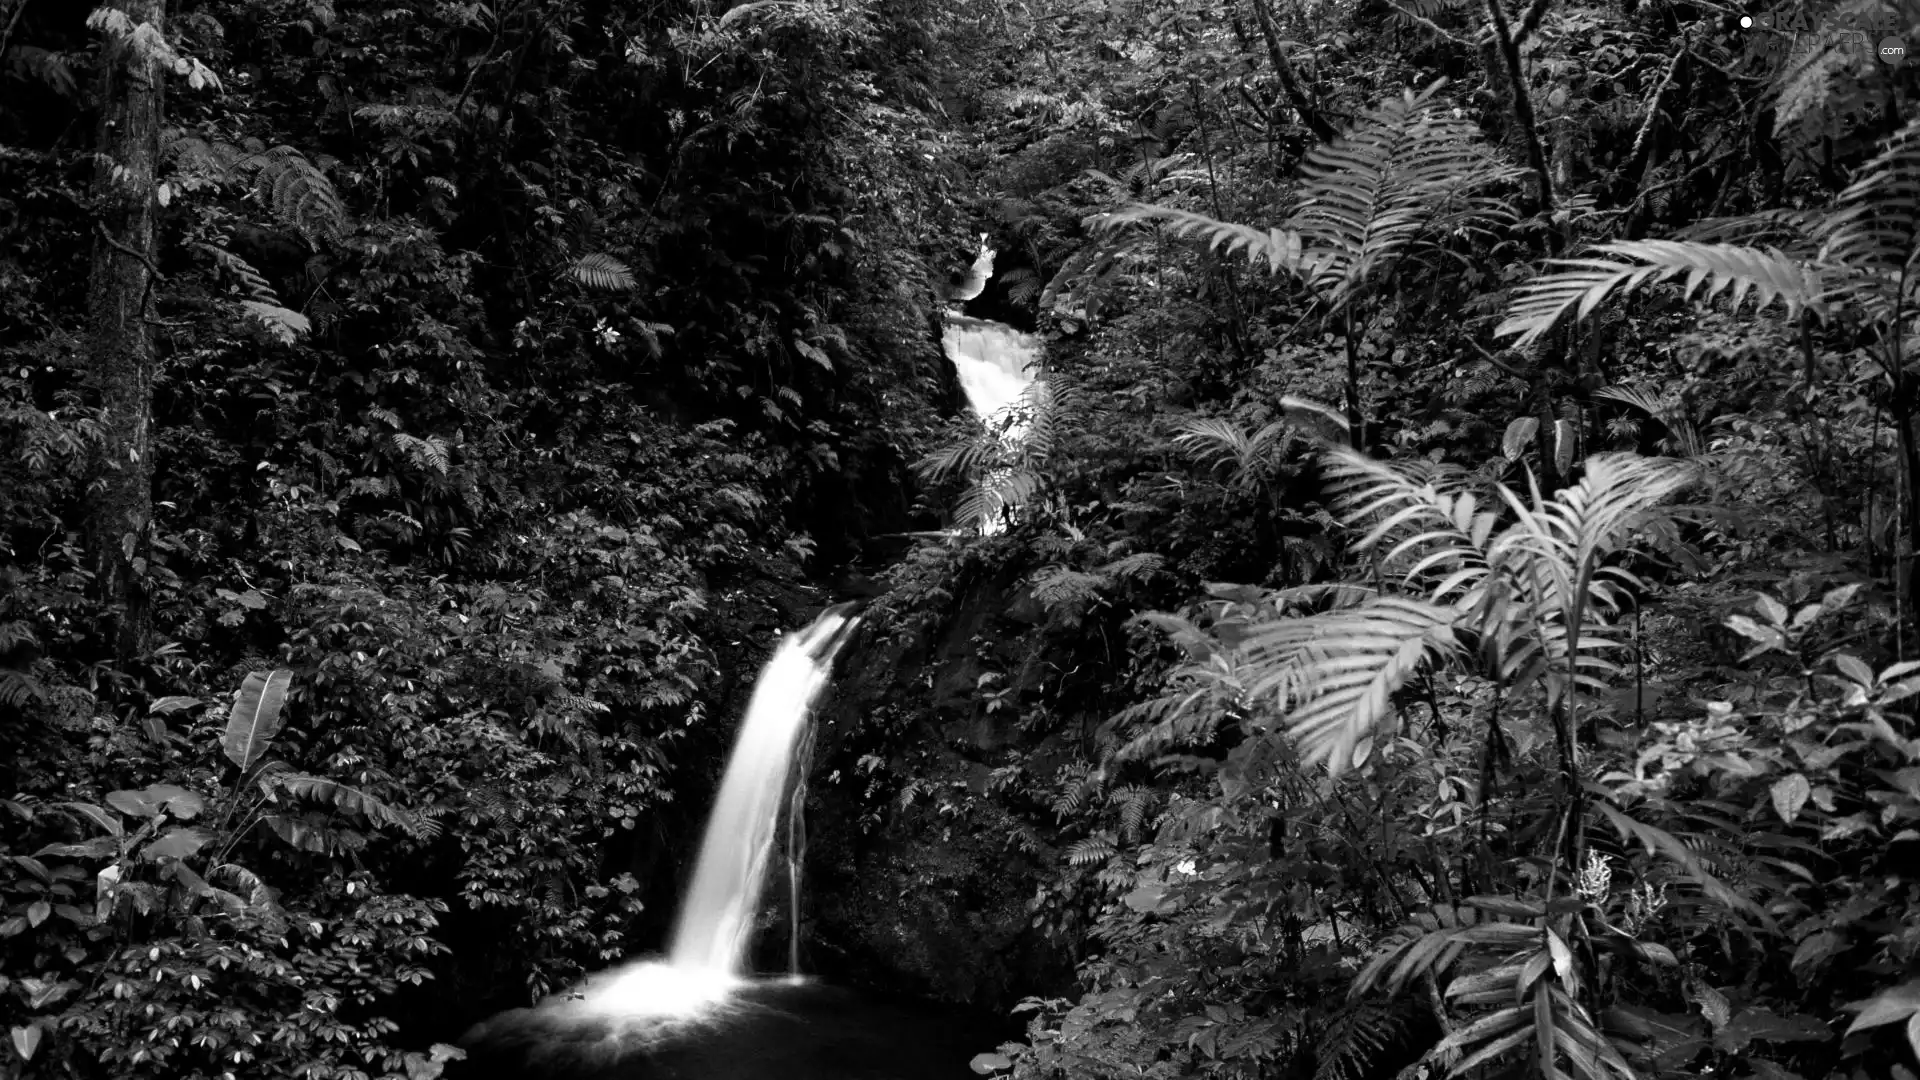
923,872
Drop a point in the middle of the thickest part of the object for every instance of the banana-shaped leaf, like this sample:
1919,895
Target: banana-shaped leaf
255,718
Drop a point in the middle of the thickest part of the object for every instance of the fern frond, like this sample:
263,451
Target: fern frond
598,270
297,192
1059,588
284,323
1624,265
1131,567
1093,850
428,453
1356,1037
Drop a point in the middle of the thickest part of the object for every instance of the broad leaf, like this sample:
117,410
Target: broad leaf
26,1040
177,843
255,718
1790,794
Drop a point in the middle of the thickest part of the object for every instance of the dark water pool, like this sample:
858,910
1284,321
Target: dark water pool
772,1031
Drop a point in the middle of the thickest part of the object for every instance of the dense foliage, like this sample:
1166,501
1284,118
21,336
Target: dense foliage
1451,609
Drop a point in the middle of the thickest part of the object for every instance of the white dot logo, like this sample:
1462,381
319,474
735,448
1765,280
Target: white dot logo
1746,22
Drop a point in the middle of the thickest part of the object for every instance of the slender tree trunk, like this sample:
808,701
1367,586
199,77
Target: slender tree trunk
120,495
1519,99
1289,82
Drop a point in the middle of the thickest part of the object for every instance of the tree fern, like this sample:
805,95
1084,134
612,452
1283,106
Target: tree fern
1407,178
1526,580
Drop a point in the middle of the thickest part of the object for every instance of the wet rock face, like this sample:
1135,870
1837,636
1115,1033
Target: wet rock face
935,909
916,881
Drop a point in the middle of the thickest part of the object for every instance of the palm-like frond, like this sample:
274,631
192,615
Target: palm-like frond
1527,578
1338,670
1583,284
1859,255
1004,462
1428,516
1280,249
1682,434
1219,443
1873,234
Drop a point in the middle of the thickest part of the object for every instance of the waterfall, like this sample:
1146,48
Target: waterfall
995,364
716,919
706,962
993,360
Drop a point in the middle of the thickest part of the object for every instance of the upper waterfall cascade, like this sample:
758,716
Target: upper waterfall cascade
994,361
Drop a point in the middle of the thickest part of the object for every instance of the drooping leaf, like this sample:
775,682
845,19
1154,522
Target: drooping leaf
1889,1006
341,797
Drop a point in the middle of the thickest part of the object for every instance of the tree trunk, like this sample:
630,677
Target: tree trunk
1302,102
120,493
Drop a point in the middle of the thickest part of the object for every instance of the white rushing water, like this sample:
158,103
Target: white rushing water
993,361
995,365
707,959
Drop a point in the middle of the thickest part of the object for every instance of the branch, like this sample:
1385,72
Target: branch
12,21
1653,109
153,272
1687,177
1498,363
